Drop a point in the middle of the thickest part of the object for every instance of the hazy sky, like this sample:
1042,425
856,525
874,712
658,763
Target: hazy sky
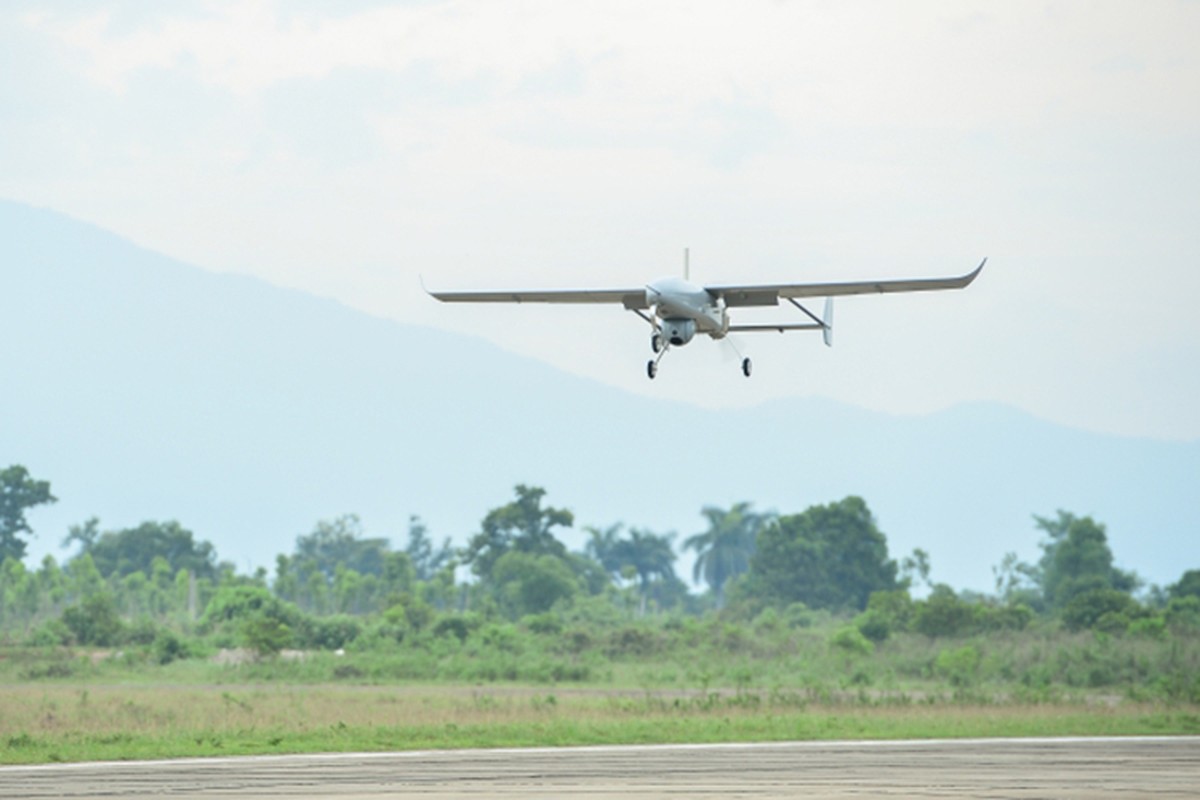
347,147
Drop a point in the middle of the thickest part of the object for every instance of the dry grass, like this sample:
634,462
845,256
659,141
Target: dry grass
46,723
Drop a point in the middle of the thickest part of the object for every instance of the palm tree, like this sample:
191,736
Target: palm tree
642,553
725,549
651,556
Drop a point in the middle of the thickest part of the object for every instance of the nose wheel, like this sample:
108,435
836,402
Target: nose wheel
652,364
656,343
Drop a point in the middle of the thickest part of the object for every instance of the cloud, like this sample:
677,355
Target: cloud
343,147
836,63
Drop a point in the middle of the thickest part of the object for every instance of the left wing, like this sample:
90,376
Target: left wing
769,295
630,298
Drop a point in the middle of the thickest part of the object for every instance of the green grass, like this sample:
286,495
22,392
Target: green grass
677,681
72,723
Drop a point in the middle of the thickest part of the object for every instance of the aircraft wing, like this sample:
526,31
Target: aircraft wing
630,298
768,295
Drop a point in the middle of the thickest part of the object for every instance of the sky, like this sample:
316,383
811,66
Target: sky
354,149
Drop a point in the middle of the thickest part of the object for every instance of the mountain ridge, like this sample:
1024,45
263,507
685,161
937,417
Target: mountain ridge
147,388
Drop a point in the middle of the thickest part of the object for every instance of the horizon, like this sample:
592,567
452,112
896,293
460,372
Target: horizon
254,392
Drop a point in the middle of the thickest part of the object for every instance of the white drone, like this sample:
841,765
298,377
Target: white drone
678,309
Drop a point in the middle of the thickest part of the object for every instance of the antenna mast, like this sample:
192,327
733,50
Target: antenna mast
686,271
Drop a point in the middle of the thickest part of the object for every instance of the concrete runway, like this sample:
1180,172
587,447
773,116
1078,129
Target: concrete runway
975,768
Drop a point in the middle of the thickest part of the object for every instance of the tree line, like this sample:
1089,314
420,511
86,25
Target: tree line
830,557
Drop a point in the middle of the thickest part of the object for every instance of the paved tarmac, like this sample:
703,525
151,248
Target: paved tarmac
1158,767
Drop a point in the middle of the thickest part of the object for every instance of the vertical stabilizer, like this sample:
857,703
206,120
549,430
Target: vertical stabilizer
827,322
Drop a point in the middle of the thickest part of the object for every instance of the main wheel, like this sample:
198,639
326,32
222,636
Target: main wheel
746,365
656,342
651,369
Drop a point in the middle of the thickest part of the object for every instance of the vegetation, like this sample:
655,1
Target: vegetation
808,628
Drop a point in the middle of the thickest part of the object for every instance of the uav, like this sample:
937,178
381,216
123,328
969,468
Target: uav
678,309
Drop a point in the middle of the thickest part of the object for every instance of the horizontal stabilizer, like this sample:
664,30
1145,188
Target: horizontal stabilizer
797,326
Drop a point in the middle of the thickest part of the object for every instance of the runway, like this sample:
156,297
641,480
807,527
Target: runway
1166,767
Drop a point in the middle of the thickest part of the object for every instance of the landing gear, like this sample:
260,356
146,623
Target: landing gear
656,343
746,366
651,369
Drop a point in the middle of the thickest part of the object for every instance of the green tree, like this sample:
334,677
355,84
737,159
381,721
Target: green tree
1110,609
1076,559
830,556
265,635
522,526
123,552
340,542
18,493
526,583
1017,581
916,568
95,621
1188,586
944,613
85,534
725,549
648,556
425,560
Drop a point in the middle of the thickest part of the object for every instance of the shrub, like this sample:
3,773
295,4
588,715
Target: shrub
1152,627
169,647
798,615
51,633
895,606
1183,612
632,641
330,633
850,640
411,611
95,621
457,625
266,635
1015,617
943,613
545,623
959,666
1110,607
874,625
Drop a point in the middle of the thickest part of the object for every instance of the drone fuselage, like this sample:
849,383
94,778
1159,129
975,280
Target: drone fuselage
686,309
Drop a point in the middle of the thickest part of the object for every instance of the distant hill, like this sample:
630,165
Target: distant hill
144,388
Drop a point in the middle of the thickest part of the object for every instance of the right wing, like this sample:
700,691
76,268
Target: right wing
630,298
769,295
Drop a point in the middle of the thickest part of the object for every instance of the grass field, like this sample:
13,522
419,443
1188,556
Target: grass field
55,722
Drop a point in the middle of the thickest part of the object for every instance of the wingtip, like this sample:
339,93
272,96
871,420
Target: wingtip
424,288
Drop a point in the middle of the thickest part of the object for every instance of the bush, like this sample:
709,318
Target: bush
1183,612
632,641
457,625
959,666
1015,617
169,647
798,615
1153,627
943,613
330,633
896,607
51,633
95,621
546,623
850,640
1105,609
874,625
265,635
